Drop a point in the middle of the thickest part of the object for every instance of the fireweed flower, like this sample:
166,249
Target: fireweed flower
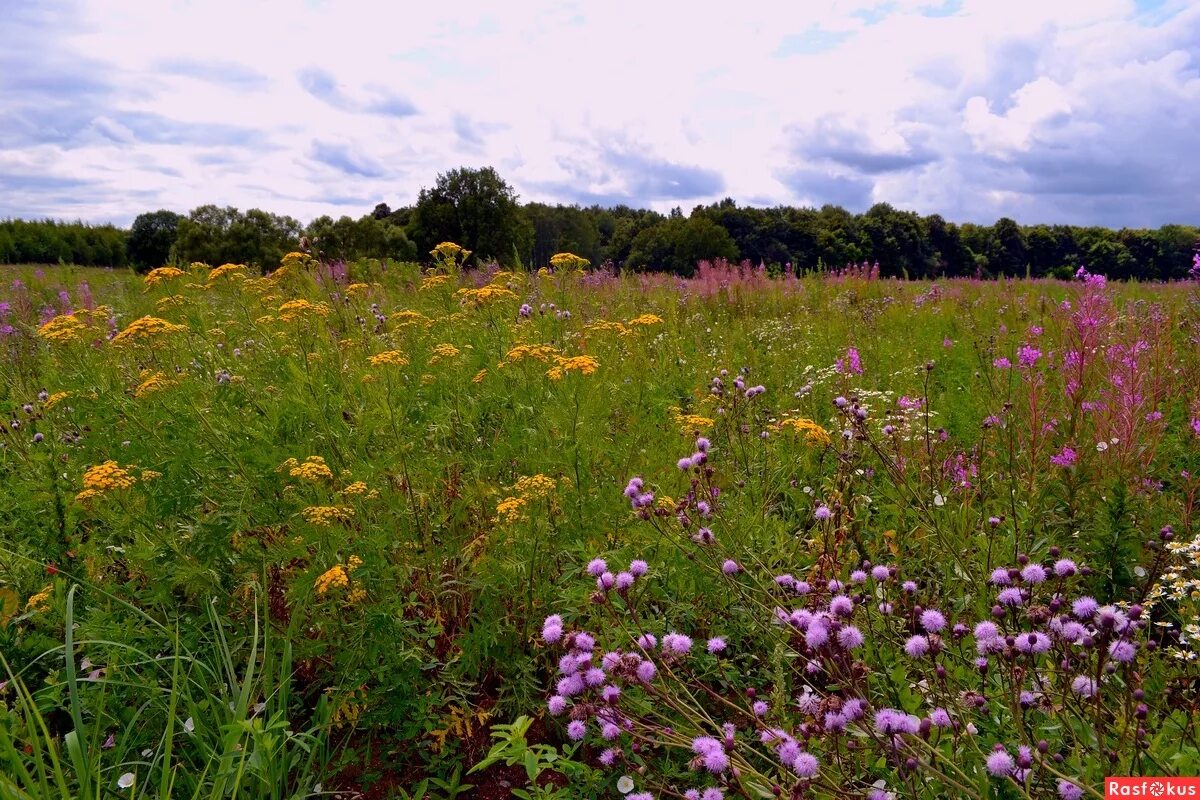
1067,457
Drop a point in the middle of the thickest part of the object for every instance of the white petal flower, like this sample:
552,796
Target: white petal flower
625,784
125,781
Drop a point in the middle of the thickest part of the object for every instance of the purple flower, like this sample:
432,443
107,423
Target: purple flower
858,576
596,567
730,567
880,573
1001,363
1000,764
584,641
932,620
1028,356
1122,651
610,693
624,581
1083,686
1084,608
647,641
1034,643
822,513
850,637
760,708
817,634
569,686
646,671
576,729
677,643
1068,790
841,606
594,677
889,720
638,568
715,645
608,757
1065,568
703,444
909,587
557,704
806,765
711,753
1010,596
986,630
916,646
1067,457
940,718
1033,574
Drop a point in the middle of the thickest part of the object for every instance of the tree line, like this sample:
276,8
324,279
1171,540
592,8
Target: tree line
479,210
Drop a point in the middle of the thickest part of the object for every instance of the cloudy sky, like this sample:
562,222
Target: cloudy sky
1080,111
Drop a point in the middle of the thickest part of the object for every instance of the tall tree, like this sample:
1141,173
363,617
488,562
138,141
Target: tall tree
475,208
151,238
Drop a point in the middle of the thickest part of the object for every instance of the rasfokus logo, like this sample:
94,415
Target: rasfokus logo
1151,787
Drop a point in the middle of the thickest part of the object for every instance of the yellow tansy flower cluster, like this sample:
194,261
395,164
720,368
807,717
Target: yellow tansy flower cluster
607,326
232,272
338,576
152,383
406,317
434,281
449,251
299,309
391,358
443,352
582,364
312,468
147,329
104,477
527,489
55,399
813,433
646,319
327,515
535,352
484,295
41,600
72,327
568,262
157,276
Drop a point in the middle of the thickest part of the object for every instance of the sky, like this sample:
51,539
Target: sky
1057,111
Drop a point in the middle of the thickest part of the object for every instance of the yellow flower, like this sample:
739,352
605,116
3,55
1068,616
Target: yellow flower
568,262
169,302
484,295
442,352
646,319
509,509
813,433
535,487
313,469
449,252
479,376
104,477
157,276
334,577
407,317
392,358
146,329
153,383
233,272
434,281
536,352
302,309
41,600
327,515
356,288
55,399
582,364
689,423
358,487
63,328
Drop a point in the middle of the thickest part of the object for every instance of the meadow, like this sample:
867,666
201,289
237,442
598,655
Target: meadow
391,530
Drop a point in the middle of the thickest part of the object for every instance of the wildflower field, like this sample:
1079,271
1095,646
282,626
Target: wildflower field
391,530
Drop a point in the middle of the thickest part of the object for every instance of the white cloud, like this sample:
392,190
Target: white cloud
1078,110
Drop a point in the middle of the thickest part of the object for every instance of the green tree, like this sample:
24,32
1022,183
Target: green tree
475,208
151,238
